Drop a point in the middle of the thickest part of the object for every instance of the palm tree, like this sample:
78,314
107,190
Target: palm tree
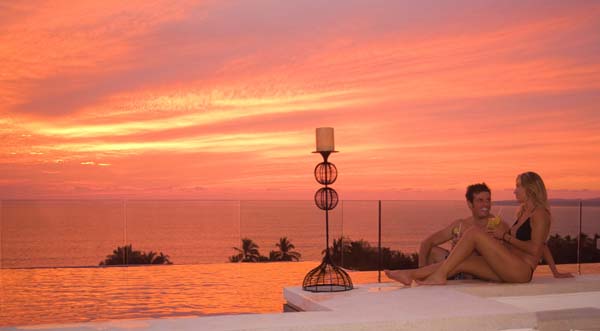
161,259
148,257
126,255
286,251
123,255
155,258
341,247
274,256
248,252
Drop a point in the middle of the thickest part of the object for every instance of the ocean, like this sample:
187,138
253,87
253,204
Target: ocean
76,233
50,251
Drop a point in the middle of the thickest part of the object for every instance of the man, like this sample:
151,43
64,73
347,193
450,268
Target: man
479,201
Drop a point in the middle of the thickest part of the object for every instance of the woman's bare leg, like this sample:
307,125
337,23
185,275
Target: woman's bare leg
507,266
474,265
477,266
403,276
406,276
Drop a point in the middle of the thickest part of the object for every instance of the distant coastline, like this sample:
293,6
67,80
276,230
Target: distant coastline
555,202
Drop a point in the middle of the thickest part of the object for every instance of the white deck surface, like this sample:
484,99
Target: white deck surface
543,304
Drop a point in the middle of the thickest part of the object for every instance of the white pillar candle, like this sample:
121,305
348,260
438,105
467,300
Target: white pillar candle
325,140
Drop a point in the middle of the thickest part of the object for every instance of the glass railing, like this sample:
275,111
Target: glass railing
589,243
50,251
365,234
300,222
188,231
59,233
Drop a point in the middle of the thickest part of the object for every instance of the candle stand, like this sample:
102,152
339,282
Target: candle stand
327,277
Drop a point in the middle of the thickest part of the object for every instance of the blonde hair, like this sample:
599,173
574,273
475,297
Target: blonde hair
535,191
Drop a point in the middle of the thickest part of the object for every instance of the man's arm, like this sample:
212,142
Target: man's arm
435,239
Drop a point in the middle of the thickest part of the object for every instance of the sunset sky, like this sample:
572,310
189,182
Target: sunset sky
220,99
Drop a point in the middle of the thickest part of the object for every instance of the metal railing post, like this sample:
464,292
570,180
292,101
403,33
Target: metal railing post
579,239
379,246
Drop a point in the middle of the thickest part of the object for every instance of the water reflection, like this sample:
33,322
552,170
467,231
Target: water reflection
68,295
65,295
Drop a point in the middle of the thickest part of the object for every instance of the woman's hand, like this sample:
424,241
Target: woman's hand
499,233
558,274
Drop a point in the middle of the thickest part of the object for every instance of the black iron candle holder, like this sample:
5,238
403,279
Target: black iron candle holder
327,277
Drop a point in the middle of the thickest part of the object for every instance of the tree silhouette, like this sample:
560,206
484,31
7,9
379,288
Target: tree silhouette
148,257
274,256
161,259
564,249
286,251
360,255
340,247
123,255
248,253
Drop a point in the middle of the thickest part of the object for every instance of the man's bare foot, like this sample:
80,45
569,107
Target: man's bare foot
436,278
402,276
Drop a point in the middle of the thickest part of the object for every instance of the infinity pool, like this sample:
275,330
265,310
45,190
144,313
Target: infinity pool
68,295
64,295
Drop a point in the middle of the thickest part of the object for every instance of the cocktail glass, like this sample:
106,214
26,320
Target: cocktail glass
492,223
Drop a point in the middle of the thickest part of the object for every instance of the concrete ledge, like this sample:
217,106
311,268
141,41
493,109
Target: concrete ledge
545,303
389,306
538,286
569,319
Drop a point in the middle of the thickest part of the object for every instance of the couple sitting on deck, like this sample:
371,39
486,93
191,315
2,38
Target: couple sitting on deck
486,248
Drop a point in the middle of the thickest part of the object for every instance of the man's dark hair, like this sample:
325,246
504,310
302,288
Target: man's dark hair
476,188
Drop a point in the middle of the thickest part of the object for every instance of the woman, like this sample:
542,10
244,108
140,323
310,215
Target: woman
509,255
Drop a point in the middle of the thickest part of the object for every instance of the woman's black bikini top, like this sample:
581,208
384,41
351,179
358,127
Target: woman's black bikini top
524,231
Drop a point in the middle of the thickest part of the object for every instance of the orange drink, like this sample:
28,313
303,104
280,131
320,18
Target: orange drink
492,223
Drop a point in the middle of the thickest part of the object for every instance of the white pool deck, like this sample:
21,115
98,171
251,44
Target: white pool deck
544,304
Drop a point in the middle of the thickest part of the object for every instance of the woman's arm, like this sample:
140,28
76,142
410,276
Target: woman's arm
550,260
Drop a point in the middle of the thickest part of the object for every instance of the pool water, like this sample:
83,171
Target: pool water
69,295
66,295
